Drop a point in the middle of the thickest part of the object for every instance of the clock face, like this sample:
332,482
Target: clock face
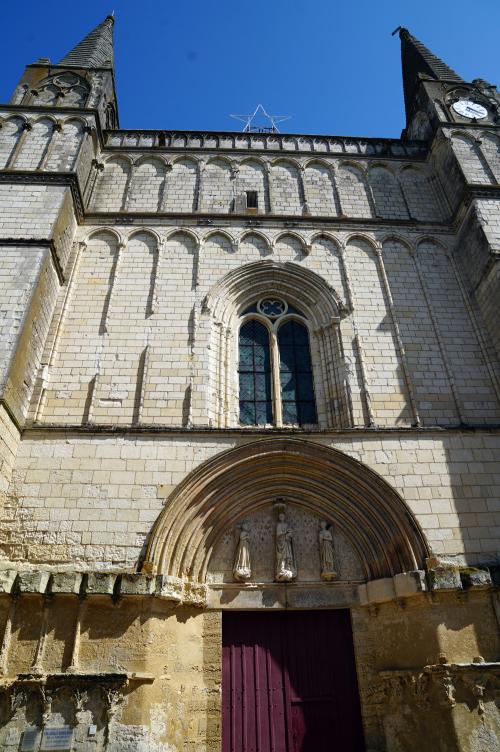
469,109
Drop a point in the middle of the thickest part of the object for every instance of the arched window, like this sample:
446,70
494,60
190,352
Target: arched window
255,375
275,370
296,379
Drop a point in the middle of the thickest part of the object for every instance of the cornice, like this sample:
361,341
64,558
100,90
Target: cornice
37,242
343,146
39,177
257,433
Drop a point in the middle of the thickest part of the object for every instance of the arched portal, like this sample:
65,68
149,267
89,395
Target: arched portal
323,481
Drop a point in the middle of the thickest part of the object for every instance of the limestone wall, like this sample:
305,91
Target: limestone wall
139,344
9,442
89,501
322,186
147,673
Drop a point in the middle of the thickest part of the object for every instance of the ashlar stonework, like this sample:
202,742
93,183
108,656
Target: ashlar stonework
246,371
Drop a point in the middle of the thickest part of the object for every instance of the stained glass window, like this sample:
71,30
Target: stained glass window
297,393
255,375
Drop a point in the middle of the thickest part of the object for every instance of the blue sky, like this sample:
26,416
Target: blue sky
331,65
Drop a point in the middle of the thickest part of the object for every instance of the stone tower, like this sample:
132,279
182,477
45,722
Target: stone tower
249,425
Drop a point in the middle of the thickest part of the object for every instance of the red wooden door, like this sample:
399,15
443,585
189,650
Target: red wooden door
289,683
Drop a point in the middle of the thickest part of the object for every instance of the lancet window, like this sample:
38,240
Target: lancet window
275,370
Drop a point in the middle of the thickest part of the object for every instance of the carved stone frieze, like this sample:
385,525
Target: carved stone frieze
443,684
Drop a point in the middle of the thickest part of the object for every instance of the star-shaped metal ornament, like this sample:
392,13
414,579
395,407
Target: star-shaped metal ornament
251,127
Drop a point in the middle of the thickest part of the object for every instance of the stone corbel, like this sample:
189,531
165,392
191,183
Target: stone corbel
80,698
47,699
17,700
113,698
443,680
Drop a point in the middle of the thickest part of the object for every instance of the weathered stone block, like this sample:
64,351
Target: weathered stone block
195,593
476,578
380,591
170,588
407,584
100,583
66,582
33,582
7,577
362,595
137,584
445,579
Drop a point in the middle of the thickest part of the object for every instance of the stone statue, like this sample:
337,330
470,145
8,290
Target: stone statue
327,552
286,568
242,567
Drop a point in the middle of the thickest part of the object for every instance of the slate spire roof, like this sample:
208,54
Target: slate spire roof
95,50
417,58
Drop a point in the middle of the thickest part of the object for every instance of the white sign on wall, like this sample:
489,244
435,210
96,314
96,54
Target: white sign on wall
30,740
58,737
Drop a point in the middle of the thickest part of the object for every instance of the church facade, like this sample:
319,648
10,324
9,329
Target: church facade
249,425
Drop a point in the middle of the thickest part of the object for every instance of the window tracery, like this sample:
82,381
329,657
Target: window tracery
275,368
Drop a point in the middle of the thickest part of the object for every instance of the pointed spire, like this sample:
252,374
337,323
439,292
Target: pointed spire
96,50
417,58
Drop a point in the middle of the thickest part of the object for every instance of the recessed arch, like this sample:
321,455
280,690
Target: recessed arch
223,233
44,118
302,288
324,234
321,480
145,231
361,236
256,159
381,166
433,240
256,234
287,160
221,158
105,231
186,157
75,119
355,165
393,237
118,158
290,234
319,161
184,231
148,159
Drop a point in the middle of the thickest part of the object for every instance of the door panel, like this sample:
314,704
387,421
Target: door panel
289,683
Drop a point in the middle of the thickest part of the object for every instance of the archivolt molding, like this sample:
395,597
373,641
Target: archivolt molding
320,480
256,233
105,231
302,287
160,159
145,231
394,238
290,234
215,232
431,239
326,235
184,231
362,237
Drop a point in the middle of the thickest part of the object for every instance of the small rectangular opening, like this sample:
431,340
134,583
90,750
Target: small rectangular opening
252,200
